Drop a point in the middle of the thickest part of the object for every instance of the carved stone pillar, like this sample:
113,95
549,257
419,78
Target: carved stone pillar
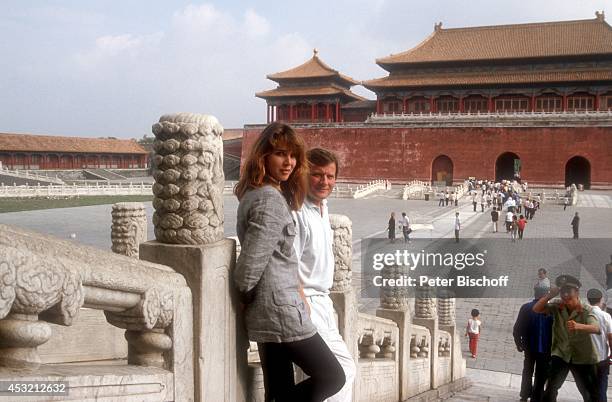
425,303
446,310
188,172
394,305
343,251
129,228
188,220
342,293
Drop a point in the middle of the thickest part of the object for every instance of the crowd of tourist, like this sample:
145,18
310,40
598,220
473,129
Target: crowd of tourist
559,335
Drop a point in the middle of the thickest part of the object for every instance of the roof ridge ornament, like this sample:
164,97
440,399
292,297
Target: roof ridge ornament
601,16
438,26
315,52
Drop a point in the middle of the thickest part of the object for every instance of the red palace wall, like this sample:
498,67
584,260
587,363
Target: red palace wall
401,154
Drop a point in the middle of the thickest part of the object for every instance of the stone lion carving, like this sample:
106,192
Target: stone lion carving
189,180
129,228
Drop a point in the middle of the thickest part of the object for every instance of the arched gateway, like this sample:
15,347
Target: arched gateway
442,170
507,167
578,171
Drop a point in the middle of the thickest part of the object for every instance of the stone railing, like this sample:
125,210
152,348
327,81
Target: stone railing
495,119
416,189
54,191
371,187
45,280
24,174
378,366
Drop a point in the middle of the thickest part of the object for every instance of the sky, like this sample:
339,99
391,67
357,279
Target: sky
106,68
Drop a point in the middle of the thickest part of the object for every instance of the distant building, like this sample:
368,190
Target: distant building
26,151
311,92
526,101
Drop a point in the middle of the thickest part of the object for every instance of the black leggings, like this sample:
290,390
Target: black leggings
315,359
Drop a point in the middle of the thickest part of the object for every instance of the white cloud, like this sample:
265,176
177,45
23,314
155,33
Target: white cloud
255,24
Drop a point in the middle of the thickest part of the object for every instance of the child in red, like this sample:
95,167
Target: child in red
473,331
522,222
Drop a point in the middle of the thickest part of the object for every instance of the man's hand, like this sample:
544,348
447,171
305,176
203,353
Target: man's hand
554,291
573,325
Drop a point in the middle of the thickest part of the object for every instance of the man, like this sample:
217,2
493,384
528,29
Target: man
494,218
602,341
542,280
313,245
457,227
533,335
575,225
572,347
474,200
509,218
404,224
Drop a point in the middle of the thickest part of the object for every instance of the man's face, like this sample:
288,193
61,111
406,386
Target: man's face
321,181
568,294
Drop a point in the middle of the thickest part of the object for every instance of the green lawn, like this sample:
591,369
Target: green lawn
28,204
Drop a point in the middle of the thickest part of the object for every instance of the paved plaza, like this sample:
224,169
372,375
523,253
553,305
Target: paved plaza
495,374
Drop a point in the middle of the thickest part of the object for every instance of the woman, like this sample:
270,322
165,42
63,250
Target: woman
391,227
272,183
514,228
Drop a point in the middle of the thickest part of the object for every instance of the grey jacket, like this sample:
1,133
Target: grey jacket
267,270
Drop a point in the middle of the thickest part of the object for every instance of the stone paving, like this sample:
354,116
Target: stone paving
497,353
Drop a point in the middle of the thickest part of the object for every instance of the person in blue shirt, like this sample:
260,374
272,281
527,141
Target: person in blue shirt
533,336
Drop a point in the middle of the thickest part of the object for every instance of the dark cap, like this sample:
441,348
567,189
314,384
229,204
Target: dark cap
567,281
594,294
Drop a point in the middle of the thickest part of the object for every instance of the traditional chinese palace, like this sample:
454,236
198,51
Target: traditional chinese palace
25,151
531,101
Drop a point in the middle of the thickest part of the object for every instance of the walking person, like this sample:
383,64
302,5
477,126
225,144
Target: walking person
473,332
272,185
482,202
542,280
446,197
565,202
404,224
532,334
475,200
514,228
522,222
313,246
453,198
509,217
391,227
494,219
457,227
441,199
575,225
572,347
602,341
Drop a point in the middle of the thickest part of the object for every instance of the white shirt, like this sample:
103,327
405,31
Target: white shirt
404,221
600,340
457,223
509,216
313,247
474,326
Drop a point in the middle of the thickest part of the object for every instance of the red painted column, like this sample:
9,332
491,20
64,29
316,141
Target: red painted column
12,160
533,102
405,105
290,113
327,112
461,104
596,102
431,104
313,112
337,111
268,114
565,103
490,105
377,106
